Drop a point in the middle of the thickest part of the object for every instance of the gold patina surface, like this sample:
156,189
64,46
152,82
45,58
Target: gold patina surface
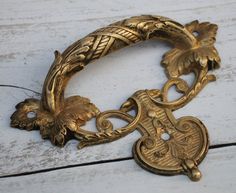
168,146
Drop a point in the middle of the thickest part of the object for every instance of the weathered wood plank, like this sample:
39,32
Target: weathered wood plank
29,35
28,40
50,11
22,151
126,176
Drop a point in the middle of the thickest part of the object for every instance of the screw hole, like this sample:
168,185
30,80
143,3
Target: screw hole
31,114
195,33
165,136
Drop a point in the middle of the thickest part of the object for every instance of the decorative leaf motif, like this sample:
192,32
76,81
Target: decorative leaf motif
81,107
204,54
78,53
205,32
41,120
20,119
76,112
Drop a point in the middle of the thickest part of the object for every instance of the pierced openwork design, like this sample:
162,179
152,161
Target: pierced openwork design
168,146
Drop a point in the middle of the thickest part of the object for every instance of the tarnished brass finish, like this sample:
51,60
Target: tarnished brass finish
168,146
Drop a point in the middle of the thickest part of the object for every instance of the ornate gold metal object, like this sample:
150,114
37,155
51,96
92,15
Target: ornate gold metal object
168,146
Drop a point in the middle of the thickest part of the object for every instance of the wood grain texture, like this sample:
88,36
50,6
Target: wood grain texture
23,151
126,176
31,30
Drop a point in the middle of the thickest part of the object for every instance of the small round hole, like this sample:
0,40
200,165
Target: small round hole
195,33
165,136
31,114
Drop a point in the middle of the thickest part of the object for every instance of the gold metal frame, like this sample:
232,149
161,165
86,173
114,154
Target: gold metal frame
168,146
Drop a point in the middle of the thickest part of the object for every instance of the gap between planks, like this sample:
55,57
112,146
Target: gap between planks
96,163
88,163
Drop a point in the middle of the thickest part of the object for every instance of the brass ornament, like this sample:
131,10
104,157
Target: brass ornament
168,146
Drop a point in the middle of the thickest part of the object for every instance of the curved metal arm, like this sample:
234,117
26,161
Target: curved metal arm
61,119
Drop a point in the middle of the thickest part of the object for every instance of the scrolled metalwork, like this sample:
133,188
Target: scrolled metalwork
168,146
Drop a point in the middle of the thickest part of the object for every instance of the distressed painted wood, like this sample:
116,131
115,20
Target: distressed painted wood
30,35
23,151
126,176
31,30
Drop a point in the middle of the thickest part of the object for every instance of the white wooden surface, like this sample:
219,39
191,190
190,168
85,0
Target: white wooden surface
30,30
127,176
